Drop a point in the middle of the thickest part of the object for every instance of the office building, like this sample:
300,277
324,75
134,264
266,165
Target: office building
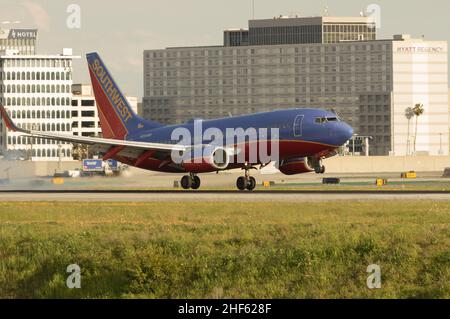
36,91
300,30
85,121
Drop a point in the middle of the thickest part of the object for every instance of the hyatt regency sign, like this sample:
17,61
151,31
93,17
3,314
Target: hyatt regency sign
18,33
420,49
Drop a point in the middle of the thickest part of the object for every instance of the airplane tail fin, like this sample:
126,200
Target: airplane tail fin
117,118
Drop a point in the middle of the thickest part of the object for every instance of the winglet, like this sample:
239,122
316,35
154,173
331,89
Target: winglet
7,120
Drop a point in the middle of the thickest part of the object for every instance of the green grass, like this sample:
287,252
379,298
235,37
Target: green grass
225,250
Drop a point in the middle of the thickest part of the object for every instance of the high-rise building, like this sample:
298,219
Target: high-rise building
36,91
85,120
288,30
285,30
369,83
235,37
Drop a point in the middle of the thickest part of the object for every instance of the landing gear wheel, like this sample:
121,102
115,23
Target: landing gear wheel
251,184
319,169
241,183
322,170
186,182
246,182
195,182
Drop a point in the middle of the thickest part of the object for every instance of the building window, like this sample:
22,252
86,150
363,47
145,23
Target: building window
87,102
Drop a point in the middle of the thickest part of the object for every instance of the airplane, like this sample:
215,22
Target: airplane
306,137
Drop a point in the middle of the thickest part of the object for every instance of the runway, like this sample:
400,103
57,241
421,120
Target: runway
217,195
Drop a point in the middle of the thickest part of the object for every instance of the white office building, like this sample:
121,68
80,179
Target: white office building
85,120
36,91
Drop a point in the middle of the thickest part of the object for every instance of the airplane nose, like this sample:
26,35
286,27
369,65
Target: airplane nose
346,132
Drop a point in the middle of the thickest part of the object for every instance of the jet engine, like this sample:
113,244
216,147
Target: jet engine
295,166
211,159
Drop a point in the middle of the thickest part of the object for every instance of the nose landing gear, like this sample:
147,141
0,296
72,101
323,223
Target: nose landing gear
319,169
246,182
316,163
190,181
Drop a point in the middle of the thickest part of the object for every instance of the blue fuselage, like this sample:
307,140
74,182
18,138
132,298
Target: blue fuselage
310,126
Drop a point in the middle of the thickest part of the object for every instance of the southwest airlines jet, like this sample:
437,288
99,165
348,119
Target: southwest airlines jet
304,137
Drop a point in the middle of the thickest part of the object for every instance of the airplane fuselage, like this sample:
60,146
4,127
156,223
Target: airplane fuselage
302,133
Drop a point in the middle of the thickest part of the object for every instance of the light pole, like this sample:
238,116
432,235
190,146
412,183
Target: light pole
59,156
366,144
33,127
353,144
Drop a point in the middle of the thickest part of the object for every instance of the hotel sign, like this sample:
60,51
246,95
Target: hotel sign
420,49
18,34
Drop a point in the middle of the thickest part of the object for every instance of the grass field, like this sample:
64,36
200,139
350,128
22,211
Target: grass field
225,250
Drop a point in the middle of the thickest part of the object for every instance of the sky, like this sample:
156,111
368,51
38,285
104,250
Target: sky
121,30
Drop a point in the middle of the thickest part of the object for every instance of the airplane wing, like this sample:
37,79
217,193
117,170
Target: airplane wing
131,149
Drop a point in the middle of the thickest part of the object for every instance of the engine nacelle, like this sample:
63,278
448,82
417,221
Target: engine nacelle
212,159
295,166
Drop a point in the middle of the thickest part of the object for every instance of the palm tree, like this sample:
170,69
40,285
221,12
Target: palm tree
409,115
418,110
80,152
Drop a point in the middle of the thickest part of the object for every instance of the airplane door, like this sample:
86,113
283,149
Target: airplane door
298,123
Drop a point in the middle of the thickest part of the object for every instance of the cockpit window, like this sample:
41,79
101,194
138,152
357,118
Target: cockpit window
321,120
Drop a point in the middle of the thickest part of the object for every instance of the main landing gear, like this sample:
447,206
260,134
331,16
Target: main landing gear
190,181
246,182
